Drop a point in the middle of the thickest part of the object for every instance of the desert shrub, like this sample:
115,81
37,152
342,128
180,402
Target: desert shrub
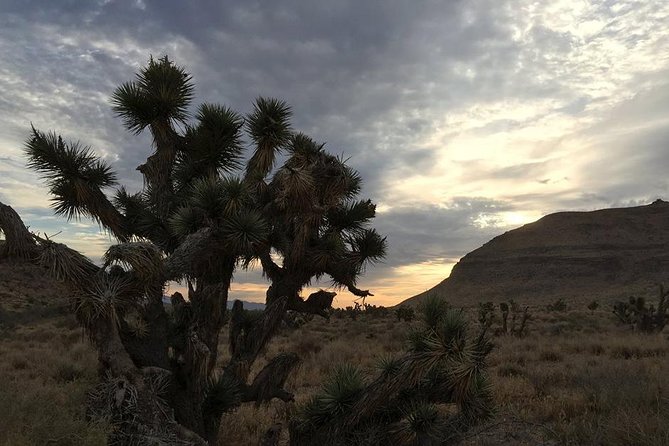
405,314
67,372
558,305
352,312
376,311
550,356
307,345
294,320
592,306
506,370
20,363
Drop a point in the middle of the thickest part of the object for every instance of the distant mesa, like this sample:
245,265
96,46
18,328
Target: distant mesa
247,305
572,255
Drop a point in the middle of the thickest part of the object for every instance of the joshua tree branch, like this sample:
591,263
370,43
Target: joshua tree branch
317,303
272,270
19,242
269,382
358,292
347,280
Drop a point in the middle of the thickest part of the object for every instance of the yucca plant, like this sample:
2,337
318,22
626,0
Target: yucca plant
429,395
202,214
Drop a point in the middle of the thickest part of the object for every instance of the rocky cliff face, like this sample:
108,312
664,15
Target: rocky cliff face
571,255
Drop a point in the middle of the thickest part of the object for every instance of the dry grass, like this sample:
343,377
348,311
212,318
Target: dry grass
45,372
576,379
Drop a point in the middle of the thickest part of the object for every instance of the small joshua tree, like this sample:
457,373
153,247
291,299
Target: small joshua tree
486,313
202,214
592,306
504,308
376,311
647,319
401,403
519,317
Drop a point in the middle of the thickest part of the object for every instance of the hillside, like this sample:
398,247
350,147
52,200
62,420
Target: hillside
28,295
570,255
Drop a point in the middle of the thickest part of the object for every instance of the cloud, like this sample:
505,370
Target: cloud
524,107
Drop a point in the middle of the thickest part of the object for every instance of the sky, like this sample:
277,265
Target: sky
466,119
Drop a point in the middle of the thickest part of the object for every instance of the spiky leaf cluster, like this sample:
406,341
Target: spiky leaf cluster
339,394
76,178
222,395
314,215
409,397
213,145
161,91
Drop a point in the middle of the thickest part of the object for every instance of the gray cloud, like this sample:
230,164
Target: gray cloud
422,233
393,85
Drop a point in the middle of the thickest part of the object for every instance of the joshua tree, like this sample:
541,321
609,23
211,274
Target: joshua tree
196,222
486,317
404,402
486,313
645,318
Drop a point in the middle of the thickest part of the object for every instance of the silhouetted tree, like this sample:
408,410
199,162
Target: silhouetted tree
202,214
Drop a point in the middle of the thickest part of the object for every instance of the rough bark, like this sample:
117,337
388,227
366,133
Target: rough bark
136,406
158,167
209,309
151,349
249,338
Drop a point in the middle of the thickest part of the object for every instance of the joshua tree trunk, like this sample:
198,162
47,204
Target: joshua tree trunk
18,241
505,316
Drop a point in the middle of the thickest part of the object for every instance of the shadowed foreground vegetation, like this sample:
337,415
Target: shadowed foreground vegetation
577,377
